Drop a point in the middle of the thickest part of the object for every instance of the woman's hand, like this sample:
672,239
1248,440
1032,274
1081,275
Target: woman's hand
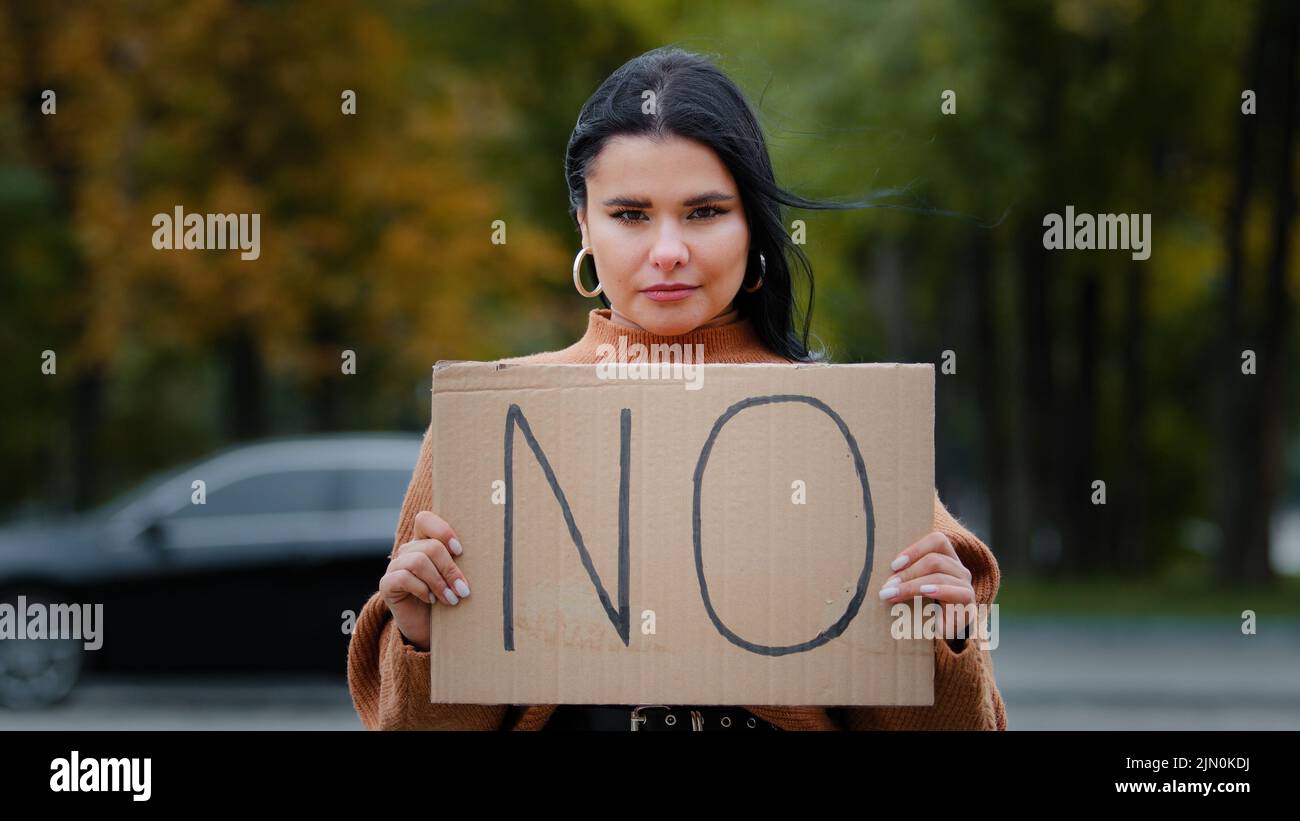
931,568
420,573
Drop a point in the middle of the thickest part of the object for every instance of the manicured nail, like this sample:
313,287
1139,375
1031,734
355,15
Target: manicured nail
462,588
454,544
893,582
888,592
929,588
450,596
900,562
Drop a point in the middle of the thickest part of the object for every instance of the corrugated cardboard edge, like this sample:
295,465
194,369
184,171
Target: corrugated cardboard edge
456,372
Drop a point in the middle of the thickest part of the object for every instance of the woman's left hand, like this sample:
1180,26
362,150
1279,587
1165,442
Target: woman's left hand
931,568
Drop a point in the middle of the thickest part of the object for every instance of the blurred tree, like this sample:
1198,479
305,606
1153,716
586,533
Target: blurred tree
1072,367
375,235
1080,366
1255,425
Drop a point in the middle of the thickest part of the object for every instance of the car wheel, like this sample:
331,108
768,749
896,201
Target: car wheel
37,672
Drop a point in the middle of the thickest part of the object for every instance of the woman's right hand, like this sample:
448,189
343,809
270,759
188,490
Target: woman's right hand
421,572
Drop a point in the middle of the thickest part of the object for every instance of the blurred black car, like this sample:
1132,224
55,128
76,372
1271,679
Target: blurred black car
294,532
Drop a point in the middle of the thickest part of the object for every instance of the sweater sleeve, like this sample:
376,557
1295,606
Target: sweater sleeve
388,678
966,695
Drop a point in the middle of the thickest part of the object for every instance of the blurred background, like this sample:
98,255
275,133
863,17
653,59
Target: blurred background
376,239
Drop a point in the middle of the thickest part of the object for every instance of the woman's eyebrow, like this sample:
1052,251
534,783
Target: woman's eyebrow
644,202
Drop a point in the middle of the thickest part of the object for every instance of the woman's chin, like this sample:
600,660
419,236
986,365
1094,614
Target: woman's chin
667,321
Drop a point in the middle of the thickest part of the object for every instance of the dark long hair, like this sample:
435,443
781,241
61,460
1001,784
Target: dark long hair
694,99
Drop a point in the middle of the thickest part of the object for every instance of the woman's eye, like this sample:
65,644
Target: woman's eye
704,212
713,212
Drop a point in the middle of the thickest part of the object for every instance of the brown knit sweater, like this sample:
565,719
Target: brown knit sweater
389,678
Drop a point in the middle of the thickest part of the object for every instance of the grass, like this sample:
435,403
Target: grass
1118,596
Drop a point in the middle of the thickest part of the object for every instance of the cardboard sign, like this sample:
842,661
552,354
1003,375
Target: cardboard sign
630,542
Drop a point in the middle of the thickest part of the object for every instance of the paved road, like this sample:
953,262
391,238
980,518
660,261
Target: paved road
1179,675
1057,674
110,703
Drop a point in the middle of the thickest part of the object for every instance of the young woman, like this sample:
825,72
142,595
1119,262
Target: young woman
675,198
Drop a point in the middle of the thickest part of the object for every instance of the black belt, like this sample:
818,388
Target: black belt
654,718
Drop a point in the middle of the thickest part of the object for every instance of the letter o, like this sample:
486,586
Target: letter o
869,537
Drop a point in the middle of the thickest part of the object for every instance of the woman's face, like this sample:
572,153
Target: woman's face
667,230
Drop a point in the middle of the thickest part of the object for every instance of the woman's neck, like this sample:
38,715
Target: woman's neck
731,314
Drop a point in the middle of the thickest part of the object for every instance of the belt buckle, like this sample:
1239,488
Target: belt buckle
638,720
697,718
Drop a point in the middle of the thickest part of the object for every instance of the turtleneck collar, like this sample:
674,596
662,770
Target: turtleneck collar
733,342
726,318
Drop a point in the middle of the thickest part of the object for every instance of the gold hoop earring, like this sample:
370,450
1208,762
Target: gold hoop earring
763,262
577,275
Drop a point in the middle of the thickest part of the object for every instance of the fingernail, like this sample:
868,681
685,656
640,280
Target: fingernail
462,588
888,592
929,588
893,582
454,544
899,563
450,596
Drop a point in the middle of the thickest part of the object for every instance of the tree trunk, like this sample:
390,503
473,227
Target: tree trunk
1129,534
1269,415
1234,439
1078,442
1256,405
1013,549
87,411
327,370
245,413
1039,409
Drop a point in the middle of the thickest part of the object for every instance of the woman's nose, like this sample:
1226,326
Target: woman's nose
669,251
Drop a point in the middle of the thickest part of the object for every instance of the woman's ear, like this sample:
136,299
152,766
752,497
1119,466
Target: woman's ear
582,225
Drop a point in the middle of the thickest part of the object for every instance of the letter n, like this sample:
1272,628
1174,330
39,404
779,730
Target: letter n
620,618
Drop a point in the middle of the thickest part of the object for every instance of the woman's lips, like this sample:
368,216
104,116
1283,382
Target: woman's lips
666,292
